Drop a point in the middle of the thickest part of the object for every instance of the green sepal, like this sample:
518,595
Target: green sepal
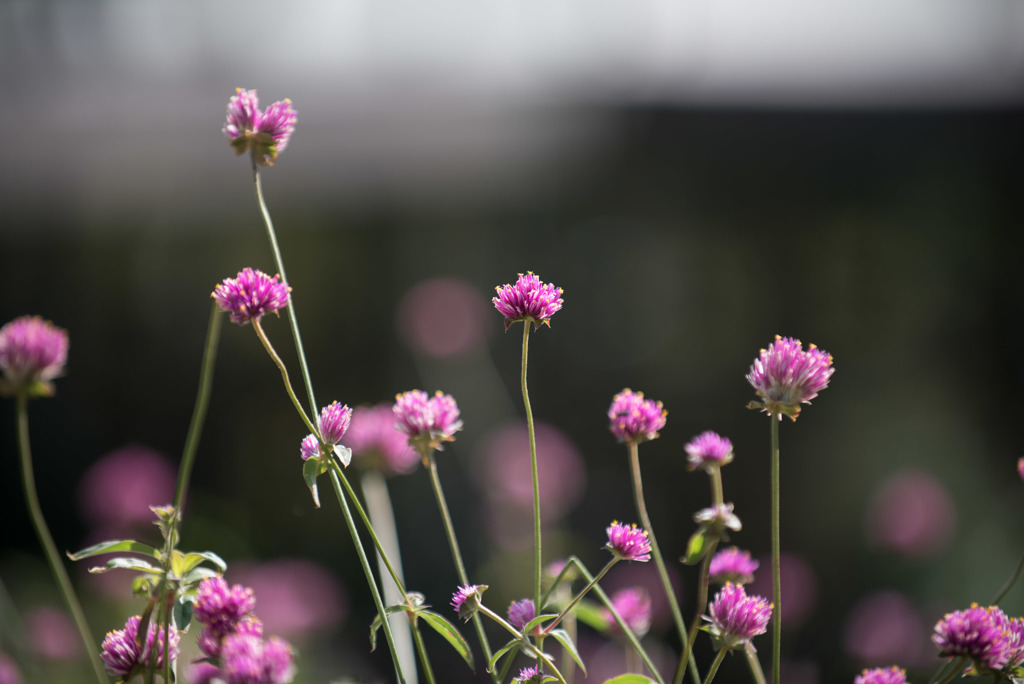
125,563
310,469
378,623
183,612
562,637
451,634
696,547
344,454
592,615
493,662
629,679
115,546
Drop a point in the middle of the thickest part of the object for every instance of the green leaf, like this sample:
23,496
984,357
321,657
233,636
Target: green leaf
493,662
126,563
344,454
528,627
115,546
629,679
378,623
183,612
310,469
592,615
143,585
696,547
197,576
563,638
450,633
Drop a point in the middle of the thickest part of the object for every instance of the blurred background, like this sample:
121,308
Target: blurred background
698,176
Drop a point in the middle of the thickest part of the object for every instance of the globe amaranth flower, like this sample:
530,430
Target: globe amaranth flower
521,612
212,637
529,300
375,442
628,542
882,675
220,609
785,376
32,353
310,447
532,675
466,599
633,605
266,133
334,421
732,565
718,519
635,419
1013,631
977,633
736,618
120,650
708,450
250,295
426,421
248,659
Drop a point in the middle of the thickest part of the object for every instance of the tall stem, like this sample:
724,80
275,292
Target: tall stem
776,550
755,665
284,376
279,262
533,471
583,592
49,547
453,544
714,666
350,523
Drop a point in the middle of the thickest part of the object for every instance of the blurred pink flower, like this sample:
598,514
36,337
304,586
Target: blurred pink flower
884,628
443,317
504,471
375,442
52,635
799,586
910,512
115,493
293,595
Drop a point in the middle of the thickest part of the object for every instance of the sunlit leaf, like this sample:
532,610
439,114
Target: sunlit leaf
696,547
450,633
493,662
378,623
115,546
125,563
563,638
629,679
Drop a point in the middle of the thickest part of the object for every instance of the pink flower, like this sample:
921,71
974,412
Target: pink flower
708,450
427,420
891,675
265,133
250,295
32,353
376,443
634,607
628,542
529,300
785,376
732,565
635,419
735,617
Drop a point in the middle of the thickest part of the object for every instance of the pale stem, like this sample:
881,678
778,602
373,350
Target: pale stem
284,376
754,663
533,471
714,666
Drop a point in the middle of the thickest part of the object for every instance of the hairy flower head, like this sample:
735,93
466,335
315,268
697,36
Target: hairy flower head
736,618
264,133
882,675
628,542
635,419
32,353
250,295
708,450
732,565
529,300
785,376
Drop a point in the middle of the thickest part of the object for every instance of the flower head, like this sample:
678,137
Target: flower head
635,419
521,612
785,376
247,659
882,675
220,607
310,447
334,420
466,599
736,618
718,518
376,443
531,675
708,450
732,565
120,650
426,420
628,542
634,607
529,300
32,353
265,133
250,295
976,633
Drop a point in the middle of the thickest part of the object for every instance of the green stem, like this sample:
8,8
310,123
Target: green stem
279,262
453,544
714,666
284,376
526,643
533,471
350,523
1009,584
421,650
49,547
955,668
754,663
776,551
583,592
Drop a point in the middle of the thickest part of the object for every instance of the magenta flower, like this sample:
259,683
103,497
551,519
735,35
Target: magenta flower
634,607
310,447
529,300
376,443
881,675
975,633
708,450
785,376
521,612
334,420
736,618
635,419
265,133
628,542
1020,467
9,673
247,659
221,608
466,600
211,638
250,295
427,421
530,675
32,353
120,651
732,565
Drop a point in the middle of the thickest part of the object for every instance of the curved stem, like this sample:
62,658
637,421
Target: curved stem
776,574
533,471
428,672
714,666
350,523
453,544
755,665
1009,583
49,547
702,602
955,667
284,376
583,592
279,262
